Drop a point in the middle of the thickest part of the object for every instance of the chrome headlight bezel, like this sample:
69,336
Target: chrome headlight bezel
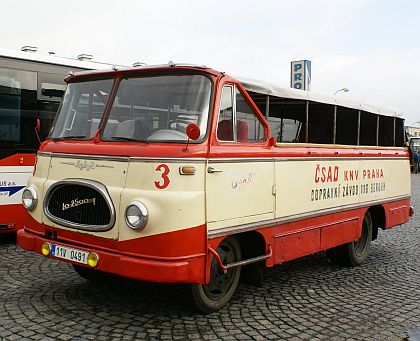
32,196
142,214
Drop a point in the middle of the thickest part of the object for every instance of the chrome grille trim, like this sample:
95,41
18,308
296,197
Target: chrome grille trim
100,188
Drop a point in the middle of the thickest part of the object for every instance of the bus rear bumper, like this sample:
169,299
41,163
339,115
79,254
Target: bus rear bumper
187,270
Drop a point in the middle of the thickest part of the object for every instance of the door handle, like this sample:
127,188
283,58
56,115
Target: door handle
213,170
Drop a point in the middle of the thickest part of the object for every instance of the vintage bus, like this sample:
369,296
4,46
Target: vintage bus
180,173
31,88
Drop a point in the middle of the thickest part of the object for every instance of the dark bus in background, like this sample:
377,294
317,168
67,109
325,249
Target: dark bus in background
414,145
31,88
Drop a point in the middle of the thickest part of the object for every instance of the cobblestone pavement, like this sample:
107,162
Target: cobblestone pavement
43,299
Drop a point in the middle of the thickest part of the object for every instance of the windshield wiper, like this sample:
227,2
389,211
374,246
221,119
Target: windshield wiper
123,138
70,137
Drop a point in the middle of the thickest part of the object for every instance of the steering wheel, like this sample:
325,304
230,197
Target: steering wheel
168,135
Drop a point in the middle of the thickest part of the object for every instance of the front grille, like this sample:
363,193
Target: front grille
80,204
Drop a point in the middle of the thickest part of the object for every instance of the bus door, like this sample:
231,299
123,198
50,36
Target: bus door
240,171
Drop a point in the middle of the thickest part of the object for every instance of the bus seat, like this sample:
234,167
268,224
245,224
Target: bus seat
137,129
142,128
242,131
224,130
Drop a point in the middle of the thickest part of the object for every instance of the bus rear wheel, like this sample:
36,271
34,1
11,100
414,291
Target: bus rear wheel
355,252
222,285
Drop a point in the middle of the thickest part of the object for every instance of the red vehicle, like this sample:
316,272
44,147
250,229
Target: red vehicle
31,88
183,174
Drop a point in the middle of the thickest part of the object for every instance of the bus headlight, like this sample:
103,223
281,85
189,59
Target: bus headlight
136,215
29,198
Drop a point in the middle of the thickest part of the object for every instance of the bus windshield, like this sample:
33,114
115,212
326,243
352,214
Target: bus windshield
81,110
159,108
147,109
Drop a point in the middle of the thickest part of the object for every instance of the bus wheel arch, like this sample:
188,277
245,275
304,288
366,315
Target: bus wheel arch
378,216
355,252
222,284
253,244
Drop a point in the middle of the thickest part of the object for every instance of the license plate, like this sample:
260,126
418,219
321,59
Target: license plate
69,253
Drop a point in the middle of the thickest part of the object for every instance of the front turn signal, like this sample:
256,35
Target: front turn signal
46,248
93,259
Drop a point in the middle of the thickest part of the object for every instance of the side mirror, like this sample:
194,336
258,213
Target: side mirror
193,131
38,129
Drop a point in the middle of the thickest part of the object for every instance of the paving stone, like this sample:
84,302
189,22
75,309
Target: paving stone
305,299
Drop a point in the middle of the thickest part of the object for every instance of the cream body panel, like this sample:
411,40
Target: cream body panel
109,173
241,192
112,174
38,181
179,206
300,185
42,166
239,221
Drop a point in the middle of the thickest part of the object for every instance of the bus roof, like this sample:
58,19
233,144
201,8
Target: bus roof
253,85
266,88
54,60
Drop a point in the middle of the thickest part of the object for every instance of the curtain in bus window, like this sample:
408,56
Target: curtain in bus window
399,132
386,131
321,123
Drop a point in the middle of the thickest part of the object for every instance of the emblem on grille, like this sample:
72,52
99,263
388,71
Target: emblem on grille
77,202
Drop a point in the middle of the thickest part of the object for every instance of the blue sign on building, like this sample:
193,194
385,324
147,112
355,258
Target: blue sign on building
301,75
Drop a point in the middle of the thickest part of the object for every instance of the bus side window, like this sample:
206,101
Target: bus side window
236,112
18,104
248,126
225,123
285,129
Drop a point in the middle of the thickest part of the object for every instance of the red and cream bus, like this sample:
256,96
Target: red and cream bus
31,88
181,173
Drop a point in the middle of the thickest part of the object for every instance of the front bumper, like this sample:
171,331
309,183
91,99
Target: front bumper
188,270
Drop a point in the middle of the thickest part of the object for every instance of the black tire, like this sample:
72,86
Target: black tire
221,287
91,274
357,251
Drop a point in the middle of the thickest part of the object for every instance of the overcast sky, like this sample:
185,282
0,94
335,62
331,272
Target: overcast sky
371,47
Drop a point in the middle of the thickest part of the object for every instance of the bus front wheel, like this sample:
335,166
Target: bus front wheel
355,252
222,285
